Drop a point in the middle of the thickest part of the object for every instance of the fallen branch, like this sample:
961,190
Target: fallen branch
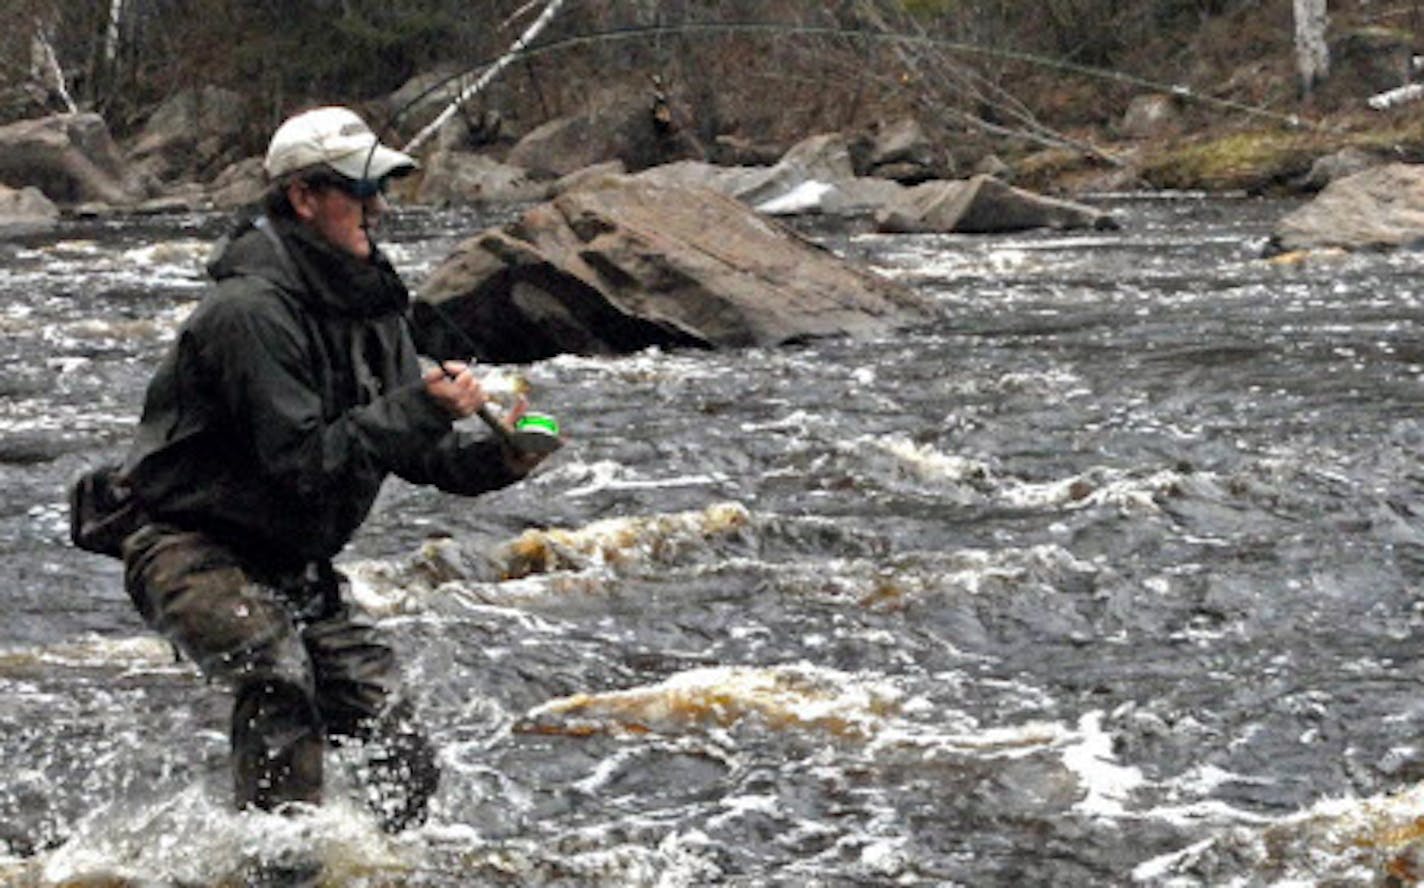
1400,95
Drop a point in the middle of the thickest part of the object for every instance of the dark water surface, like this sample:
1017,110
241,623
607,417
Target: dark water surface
1105,577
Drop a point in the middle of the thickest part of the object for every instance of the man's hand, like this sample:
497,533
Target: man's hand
455,388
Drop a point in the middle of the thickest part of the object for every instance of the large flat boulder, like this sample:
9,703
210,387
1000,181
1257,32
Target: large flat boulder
983,205
1380,208
621,264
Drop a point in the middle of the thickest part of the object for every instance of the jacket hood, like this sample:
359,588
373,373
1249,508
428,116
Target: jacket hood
324,278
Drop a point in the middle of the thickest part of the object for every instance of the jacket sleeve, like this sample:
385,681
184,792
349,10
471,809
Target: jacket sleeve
258,360
460,462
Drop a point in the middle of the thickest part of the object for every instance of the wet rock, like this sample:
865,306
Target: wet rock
783,698
70,157
25,211
857,197
817,176
464,177
822,158
984,205
624,264
615,541
1380,208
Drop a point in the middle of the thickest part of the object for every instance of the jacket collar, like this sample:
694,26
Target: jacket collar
327,280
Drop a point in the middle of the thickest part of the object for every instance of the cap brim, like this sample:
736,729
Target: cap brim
377,164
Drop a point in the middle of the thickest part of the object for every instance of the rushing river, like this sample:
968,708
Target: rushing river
1107,577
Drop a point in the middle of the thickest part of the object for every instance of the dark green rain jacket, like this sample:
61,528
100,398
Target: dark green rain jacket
291,392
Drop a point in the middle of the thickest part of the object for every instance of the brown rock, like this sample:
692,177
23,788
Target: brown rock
625,264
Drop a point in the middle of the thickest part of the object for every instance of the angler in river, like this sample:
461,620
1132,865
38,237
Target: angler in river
291,392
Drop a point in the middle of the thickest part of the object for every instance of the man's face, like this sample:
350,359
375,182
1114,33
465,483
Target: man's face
337,215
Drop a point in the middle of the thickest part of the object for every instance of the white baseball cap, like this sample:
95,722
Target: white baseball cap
338,138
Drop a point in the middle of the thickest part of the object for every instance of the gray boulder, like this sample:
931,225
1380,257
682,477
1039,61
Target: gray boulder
902,151
815,175
192,135
1380,208
984,205
623,264
631,129
70,157
823,158
451,178
25,211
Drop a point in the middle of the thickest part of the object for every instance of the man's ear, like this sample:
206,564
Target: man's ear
302,199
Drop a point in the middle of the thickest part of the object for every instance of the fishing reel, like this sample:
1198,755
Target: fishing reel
527,433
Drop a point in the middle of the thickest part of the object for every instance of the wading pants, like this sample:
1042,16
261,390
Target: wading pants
302,665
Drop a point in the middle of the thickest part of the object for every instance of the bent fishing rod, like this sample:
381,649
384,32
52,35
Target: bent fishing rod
773,29
522,50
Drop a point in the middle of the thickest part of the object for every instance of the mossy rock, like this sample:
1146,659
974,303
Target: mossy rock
1255,162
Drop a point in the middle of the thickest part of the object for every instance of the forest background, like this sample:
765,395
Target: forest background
1048,85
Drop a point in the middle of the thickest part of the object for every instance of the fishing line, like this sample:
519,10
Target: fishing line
645,32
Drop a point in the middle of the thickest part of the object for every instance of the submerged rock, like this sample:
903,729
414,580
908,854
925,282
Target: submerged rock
782,698
621,265
1380,208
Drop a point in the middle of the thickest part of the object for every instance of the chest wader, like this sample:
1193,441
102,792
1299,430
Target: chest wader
302,664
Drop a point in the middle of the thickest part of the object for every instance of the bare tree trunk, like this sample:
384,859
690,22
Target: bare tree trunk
1312,54
44,66
490,73
111,36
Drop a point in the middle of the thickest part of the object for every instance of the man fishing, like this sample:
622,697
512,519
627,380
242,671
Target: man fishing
289,395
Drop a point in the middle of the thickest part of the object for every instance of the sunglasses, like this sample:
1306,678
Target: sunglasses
360,189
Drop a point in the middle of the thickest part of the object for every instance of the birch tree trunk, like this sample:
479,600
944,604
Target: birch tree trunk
490,73
45,69
1312,54
111,35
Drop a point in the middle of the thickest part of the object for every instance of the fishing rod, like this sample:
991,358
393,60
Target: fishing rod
773,29
544,429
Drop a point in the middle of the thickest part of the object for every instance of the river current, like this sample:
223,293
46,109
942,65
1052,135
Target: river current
1105,577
